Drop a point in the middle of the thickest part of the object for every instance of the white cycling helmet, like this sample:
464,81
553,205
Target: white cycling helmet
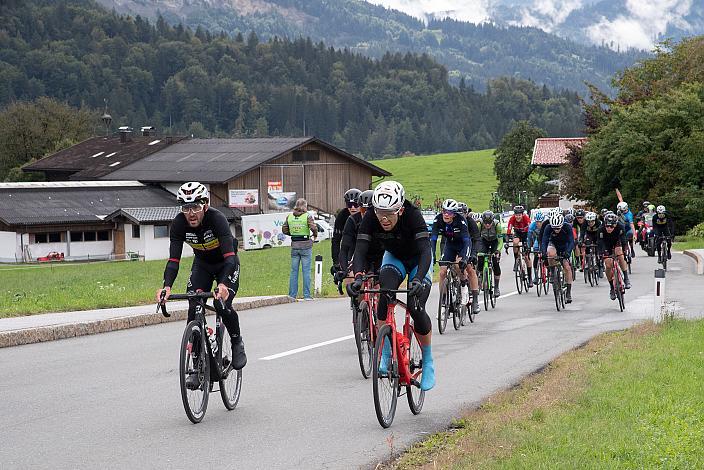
191,192
590,216
660,209
451,205
557,220
389,195
622,207
476,216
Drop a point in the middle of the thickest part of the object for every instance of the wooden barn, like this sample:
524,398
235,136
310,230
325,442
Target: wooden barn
248,174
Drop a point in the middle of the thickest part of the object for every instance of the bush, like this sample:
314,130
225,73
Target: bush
697,231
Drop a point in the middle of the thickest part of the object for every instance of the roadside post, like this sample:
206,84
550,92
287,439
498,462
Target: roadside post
659,296
318,274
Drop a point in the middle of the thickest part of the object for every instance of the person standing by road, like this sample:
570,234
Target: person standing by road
301,227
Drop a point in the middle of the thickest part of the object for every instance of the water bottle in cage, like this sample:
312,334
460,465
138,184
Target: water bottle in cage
213,340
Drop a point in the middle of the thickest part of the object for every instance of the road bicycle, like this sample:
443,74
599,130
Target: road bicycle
619,285
450,301
365,325
404,369
520,269
486,280
592,267
206,353
543,283
662,242
559,287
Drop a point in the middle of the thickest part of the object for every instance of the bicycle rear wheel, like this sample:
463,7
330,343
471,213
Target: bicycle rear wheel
444,306
195,401
457,306
385,384
363,339
557,288
415,395
231,382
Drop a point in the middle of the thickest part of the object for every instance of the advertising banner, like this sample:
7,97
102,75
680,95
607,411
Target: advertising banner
244,198
281,201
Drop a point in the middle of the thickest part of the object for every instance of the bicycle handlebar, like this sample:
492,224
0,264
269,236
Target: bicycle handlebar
385,291
161,305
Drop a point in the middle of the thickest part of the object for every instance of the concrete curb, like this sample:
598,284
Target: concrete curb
698,260
71,330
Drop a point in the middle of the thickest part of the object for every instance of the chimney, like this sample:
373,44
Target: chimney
125,131
148,131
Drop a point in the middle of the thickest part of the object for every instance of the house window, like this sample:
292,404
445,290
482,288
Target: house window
51,237
161,231
103,235
76,236
135,231
306,155
89,236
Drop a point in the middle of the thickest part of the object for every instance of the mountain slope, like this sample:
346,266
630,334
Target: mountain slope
475,52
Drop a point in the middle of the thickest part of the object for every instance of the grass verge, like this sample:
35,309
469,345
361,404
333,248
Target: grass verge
465,176
688,243
58,287
630,399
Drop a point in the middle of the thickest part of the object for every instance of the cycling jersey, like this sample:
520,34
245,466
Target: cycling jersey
337,232
626,219
456,234
349,239
212,243
608,241
519,224
590,232
533,232
664,224
408,240
563,241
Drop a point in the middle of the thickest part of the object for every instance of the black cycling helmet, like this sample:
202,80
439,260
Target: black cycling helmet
579,213
487,217
569,218
610,219
365,198
463,208
645,205
604,211
352,195
518,209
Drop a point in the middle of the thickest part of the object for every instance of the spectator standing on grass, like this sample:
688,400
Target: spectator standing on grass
301,227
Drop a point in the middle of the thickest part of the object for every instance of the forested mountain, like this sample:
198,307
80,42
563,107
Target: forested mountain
476,52
81,54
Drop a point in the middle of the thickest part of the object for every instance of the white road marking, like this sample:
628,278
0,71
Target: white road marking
332,341
305,348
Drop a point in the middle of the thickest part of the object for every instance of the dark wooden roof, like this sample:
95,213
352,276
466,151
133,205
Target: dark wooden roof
98,156
219,160
151,215
66,203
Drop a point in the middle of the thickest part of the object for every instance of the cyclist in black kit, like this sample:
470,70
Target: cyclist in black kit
207,231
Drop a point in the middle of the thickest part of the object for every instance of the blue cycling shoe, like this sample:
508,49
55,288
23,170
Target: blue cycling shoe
427,380
385,358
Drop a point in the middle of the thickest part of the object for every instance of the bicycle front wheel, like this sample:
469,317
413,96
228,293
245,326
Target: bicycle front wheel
557,288
194,361
457,307
363,338
444,306
385,381
415,395
231,381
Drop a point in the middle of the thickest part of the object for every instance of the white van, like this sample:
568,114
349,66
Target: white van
265,230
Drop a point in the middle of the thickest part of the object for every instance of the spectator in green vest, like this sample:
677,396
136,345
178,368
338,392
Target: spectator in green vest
303,231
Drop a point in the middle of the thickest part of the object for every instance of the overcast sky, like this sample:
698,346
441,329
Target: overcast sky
636,26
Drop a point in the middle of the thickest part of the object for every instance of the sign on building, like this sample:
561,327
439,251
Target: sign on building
244,198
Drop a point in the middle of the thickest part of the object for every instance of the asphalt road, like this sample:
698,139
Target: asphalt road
113,400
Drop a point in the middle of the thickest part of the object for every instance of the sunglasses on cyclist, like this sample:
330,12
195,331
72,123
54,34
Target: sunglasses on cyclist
610,226
385,214
352,204
193,207
557,229
448,213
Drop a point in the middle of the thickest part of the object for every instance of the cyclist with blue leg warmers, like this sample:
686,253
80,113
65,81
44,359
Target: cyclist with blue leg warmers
400,227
